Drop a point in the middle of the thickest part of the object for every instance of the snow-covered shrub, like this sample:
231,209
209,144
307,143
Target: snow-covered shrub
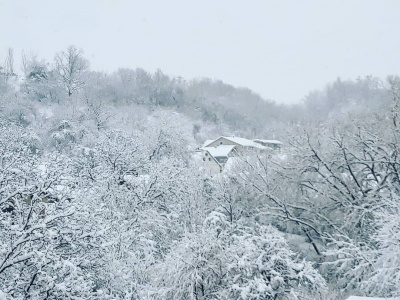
63,135
225,261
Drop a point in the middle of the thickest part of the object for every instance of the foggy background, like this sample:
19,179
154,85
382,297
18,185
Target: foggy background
279,49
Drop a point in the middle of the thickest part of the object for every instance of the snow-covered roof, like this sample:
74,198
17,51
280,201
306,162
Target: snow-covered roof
243,142
220,151
268,141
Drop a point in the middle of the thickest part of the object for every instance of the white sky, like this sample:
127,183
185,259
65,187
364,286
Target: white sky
280,49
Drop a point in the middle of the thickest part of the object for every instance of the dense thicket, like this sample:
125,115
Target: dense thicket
101,196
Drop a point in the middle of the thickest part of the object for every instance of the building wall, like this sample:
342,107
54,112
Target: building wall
210,164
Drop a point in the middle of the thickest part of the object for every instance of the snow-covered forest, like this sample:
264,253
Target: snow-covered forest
101,196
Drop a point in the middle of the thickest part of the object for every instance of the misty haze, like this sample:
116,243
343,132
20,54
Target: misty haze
207,150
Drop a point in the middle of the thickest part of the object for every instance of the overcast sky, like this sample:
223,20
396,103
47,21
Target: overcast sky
280,49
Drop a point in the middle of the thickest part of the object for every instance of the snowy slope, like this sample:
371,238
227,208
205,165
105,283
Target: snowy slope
369,298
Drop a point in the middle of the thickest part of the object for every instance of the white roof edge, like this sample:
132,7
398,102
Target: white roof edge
243,142
268,141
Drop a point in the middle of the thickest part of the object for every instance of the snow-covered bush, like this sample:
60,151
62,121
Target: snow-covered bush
225,261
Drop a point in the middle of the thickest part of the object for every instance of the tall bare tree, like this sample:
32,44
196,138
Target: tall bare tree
7,71
71,66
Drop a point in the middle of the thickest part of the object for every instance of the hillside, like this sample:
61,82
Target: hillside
100,197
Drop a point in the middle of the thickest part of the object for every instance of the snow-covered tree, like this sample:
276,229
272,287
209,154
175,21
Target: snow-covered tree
71,67
44,252
231,261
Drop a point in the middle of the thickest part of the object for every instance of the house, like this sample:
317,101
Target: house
216,153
